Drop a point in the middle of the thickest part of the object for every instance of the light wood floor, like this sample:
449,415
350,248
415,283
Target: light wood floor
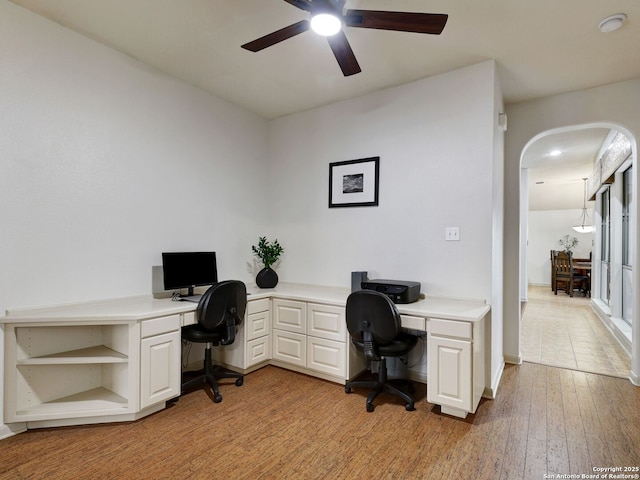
563,331
284,425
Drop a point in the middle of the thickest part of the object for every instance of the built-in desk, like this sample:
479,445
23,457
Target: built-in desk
119,359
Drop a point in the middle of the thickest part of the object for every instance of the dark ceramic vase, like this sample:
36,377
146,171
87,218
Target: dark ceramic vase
267,278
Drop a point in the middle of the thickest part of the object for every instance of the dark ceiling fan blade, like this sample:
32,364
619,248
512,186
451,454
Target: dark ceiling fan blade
344,55
277,36
301,4
432,23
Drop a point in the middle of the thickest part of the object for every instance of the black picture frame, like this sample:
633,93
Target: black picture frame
354,183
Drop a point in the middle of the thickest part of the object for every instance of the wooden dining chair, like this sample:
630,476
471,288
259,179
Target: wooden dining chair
563,272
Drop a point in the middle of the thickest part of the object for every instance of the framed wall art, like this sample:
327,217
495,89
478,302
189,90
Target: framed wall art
354,183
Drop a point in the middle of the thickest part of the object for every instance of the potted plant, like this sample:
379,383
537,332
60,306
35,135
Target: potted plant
568,243
268,253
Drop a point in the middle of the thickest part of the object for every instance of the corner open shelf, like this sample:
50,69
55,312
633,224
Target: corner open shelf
70,370
98,354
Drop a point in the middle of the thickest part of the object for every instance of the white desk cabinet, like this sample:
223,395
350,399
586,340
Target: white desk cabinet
456,365
119,359
289,342
252,347
310,338
326,339
96,362
159,360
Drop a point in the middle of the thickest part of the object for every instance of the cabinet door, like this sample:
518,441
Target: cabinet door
290,315
257,325
258,350
159,368
327,356
289,347
326,321
450,374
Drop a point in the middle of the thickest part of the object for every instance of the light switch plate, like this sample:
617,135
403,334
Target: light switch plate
452,234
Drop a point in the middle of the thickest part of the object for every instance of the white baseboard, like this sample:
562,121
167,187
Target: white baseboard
618,328
514,360
12,429
491,391
634,378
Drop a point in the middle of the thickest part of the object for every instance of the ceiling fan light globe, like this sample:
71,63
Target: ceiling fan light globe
326,24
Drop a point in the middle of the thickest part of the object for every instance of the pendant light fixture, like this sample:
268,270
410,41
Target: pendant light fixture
584,226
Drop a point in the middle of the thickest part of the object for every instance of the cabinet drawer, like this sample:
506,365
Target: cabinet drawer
156,326
257,351
188,318
255,306
450,328
413,323
327,356
258,324
289,347
290,315
326,321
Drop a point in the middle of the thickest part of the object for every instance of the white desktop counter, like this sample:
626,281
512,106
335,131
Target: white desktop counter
120,359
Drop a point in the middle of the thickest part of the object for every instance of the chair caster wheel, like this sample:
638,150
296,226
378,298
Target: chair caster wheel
370,407
217,398
347,389
239,382
409,407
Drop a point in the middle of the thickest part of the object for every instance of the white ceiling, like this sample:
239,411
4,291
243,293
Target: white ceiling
562,176
541,48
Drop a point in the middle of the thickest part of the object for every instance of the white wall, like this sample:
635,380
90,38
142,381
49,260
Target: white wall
105,163
545,228
434,140
614,105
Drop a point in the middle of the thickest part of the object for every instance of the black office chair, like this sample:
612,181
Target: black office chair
220,311
374,324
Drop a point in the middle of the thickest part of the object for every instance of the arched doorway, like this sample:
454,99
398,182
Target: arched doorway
631,334
559,329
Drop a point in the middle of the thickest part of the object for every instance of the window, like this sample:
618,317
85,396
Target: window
627,258
626,206
605,242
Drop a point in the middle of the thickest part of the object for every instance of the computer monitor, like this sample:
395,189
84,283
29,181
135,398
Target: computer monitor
188,270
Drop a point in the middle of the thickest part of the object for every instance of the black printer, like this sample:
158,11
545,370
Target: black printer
398,291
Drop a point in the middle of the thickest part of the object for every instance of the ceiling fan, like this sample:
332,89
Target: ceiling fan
329,16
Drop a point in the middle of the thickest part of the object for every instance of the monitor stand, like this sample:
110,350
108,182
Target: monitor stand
190,296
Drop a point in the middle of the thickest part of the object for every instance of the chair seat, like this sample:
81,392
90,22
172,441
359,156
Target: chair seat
399,346
195,333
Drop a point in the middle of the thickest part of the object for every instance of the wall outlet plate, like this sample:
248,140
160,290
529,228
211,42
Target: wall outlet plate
452,234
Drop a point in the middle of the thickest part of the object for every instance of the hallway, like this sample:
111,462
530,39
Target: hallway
562,331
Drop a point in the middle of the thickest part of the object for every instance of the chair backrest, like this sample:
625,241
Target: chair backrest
222,308
372,316
564,263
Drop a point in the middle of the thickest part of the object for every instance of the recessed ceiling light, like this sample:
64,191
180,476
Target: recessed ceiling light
614,22
555,153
